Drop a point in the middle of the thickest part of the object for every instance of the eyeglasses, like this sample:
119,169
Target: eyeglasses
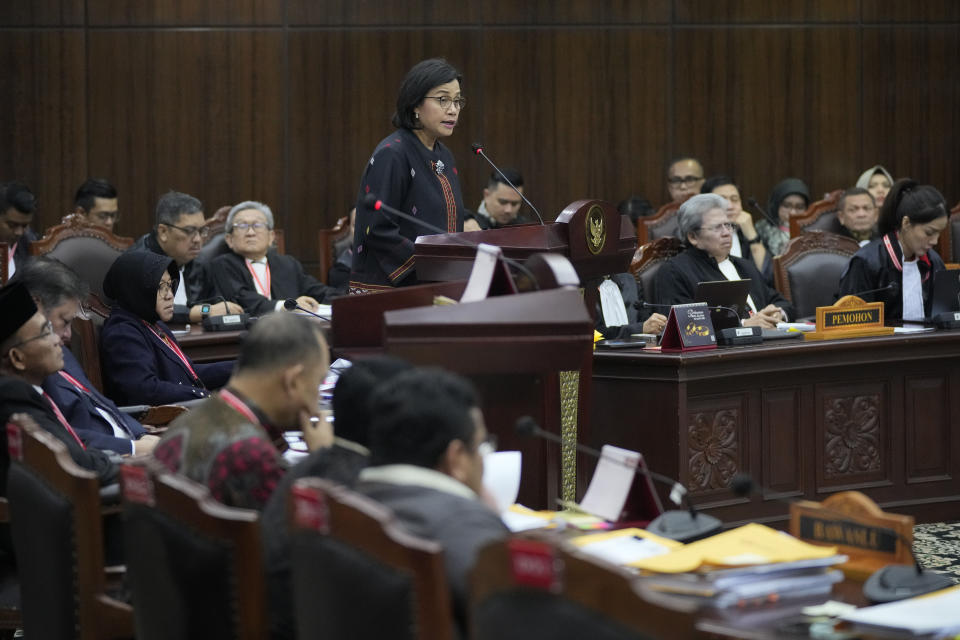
191,232
793,207
243,226
684,180
445,101
717,228
47,330
165,286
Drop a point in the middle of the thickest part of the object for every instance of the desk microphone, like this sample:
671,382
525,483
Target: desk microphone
478,150
892,582
376,204
643,304
893,286
291,303
752,202
676,524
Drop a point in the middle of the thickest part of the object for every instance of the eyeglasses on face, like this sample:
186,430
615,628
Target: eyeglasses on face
445,101
165,286
684,180
47,330
722,226
242,227
191,232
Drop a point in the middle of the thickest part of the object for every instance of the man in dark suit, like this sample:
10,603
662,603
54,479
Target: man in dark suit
30,351
180,234
256,276
17,206
59,293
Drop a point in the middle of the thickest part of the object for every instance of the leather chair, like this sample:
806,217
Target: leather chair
539,587
327,240
87,248
58,535
11,616
647,261
356,573
662,224
808,272
193,564
819,216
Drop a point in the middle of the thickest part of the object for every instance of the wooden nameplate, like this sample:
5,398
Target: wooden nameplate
858,528
850,317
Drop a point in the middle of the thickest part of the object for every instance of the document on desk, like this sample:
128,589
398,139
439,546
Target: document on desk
624,546
611,482
935,614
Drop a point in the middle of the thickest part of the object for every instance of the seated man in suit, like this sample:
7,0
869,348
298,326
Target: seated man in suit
341,463
708,233
96,200
59,293
17,206
500,205
254,274
230,442
180,234
857,213
29,352
427,439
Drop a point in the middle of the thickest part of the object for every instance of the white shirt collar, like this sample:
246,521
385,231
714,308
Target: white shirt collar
412,475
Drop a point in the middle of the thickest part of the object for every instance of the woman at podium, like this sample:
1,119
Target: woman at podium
902,261
413,171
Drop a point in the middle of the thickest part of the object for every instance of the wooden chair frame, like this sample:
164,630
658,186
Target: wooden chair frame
190,504
99,617
663,214
945,246
653,252
371,528
804,244
326,240
798,221
75,225
604,588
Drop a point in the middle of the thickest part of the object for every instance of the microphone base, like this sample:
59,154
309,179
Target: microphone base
233,322
739,335
947,320
901,581
681,526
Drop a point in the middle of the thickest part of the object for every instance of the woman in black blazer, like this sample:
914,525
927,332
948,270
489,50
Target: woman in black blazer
141,360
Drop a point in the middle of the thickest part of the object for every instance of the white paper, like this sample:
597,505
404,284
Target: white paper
913,328
623,550
522,522
501,477
922,615
612,305
799,326
611,482
482,273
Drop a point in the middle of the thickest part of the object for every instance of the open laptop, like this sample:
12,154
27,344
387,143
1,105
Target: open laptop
946,292
727,300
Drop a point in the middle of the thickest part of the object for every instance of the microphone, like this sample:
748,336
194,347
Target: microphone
893,286
756,206
291,303
371,200
478,150
683,526
892,582
643,304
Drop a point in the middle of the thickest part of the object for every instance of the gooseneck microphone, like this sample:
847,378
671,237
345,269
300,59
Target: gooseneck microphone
371,201
681,525
291,303
892,582
893,286
752,202
478,150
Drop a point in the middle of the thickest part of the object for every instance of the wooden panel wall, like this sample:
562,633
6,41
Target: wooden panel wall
283,100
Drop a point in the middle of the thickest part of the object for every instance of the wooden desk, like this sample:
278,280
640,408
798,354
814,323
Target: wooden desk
204,346
805,419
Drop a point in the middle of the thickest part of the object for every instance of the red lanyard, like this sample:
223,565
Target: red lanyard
264,290
173,347
69,378
227,396
893,255
63,420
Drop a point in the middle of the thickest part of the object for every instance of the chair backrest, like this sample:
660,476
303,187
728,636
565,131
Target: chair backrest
541,588
647,261
662,224
85,343
350,557
87,248
819,216
58,538
949,245
193,564
808,272
4,262
326,241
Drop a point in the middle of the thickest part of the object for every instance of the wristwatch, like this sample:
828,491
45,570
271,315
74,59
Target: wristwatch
756,240
204,310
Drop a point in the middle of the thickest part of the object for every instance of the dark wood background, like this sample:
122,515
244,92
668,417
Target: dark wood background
283,100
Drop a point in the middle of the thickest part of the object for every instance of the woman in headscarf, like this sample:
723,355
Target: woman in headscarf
789,197
141,360
902,262
877,180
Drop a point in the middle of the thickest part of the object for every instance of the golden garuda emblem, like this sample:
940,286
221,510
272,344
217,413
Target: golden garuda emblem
596,231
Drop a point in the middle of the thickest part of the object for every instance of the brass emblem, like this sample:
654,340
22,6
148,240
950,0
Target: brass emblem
596,231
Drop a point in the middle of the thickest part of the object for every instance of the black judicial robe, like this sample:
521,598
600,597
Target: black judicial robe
678,278
416,180
873,268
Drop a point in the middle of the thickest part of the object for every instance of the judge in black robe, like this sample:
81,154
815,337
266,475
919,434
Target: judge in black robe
707,232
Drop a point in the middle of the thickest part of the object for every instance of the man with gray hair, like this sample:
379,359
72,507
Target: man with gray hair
254,274
708,234
179,234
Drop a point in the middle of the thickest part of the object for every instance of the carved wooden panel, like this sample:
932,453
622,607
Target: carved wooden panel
716,443
852,434
781,450
926,429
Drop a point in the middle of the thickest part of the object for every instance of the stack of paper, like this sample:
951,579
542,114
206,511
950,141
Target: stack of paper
934,615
